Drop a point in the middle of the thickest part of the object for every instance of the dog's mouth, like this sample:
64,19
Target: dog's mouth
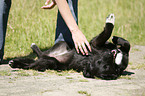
117,56
114,52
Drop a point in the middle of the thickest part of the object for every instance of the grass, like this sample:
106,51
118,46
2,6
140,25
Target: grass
84,92
61,73
83,80
28,73
126,77
138,66
28,23
5,73
69,77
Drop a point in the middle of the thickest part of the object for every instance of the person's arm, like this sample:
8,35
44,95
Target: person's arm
78,37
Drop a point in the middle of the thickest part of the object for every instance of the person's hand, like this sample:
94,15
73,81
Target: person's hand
80,42
49,6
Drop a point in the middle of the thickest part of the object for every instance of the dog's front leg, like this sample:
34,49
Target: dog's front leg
105,35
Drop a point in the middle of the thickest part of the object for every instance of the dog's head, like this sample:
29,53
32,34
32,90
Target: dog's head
102,66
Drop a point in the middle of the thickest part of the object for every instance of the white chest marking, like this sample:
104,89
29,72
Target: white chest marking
118,58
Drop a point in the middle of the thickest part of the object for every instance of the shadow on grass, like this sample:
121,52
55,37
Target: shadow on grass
30,55
125,73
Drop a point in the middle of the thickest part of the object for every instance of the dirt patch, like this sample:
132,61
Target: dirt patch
70,83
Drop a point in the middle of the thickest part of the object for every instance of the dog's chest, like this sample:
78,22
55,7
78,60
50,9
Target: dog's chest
61,54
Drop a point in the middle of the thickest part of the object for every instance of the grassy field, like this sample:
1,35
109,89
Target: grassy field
28,23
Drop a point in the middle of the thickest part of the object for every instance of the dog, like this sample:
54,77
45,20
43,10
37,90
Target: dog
106,61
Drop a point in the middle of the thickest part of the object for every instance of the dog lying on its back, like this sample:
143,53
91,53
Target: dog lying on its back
107,60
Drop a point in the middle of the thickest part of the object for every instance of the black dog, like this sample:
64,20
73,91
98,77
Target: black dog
107,60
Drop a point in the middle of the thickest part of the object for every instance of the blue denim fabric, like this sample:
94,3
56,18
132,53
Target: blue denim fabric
4,12
62,31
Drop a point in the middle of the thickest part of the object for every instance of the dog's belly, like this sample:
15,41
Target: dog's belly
63,56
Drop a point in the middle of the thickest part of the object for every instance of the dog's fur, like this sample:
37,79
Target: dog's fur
107,60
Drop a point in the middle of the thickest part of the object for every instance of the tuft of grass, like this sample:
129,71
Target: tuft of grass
130,63
36,73
97,78
69,77
63,74
60,73
28,73
5,73
23,73
84,92
138,66
126,77
51,71
83,80
10,82
46,91
134,50
72,81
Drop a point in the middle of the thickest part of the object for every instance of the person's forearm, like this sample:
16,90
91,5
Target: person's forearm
67,15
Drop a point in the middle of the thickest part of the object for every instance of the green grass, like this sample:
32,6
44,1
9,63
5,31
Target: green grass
84,92
28,23
69,77
83,80
138,66
5,73
126,77
61,73
28,73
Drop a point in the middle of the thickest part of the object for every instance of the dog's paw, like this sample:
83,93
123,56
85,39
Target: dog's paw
33,44
11,63
115,39
110,19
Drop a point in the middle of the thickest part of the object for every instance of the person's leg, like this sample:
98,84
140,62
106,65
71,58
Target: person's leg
4,12
62,31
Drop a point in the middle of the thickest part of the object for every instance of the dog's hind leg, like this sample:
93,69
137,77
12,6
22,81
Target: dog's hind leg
105,35
41,64
44,63
21,63
36,49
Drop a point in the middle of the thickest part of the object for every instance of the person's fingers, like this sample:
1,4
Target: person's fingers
47,2
50,6
85,49
81,49
76,46
88,45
